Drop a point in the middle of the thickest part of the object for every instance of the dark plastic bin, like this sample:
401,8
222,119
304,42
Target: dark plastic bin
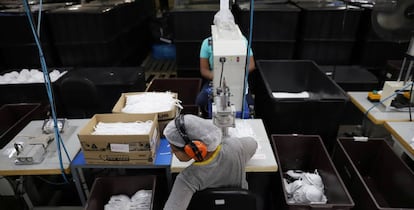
307,153
91,23
192,22
325,20
375,53
106,53
374,175
105,187
186,88
27,92
326,52
10,18
352,78
269,19
110,83
13,118
26,55
319,114
280,49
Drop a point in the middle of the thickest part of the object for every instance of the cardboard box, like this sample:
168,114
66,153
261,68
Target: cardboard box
120,149
161,115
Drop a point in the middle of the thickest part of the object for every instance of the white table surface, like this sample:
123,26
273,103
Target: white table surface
262,161
403,133
50,165
378,115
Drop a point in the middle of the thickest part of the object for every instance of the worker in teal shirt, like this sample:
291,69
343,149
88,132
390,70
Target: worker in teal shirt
206,71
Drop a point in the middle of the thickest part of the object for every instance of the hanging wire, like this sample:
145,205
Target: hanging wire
249,44
39,17
49,90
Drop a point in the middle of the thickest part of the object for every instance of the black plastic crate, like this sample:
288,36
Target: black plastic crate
14,117
93,22
105,187
269,19
319,114
110,83
27,92
323,20
352,77
326,52
10,18
375,53
27,55
276,49
192,22
105,53
366,30
188,54
374,175
307,153
188,72
90,54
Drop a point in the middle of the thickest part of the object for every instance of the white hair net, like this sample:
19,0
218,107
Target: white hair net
197,129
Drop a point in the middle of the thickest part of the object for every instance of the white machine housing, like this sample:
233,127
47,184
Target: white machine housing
233,47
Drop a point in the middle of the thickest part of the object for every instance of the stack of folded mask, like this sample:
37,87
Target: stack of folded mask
141,200
302,187
150,102
123,128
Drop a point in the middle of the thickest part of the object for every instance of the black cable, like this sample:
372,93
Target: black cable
222,60
51,182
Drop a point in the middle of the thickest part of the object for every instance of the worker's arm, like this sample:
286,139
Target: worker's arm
180,195
205,69
252,65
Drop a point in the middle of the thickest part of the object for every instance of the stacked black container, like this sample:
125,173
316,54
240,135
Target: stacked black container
191,24
101,34
372,51
274,29
109,83
17,45
317,114
327,32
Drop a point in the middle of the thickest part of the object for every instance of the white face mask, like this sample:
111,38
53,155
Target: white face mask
307,188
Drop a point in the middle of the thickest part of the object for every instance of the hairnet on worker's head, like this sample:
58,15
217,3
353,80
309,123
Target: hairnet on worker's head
197,129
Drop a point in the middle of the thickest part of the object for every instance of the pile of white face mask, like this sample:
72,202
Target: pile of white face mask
306,187
28,76
150,102
141,200
242,129
123,128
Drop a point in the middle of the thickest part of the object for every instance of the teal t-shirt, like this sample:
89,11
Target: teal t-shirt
206,51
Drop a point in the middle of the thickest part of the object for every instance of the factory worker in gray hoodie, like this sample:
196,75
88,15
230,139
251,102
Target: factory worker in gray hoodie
219,161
